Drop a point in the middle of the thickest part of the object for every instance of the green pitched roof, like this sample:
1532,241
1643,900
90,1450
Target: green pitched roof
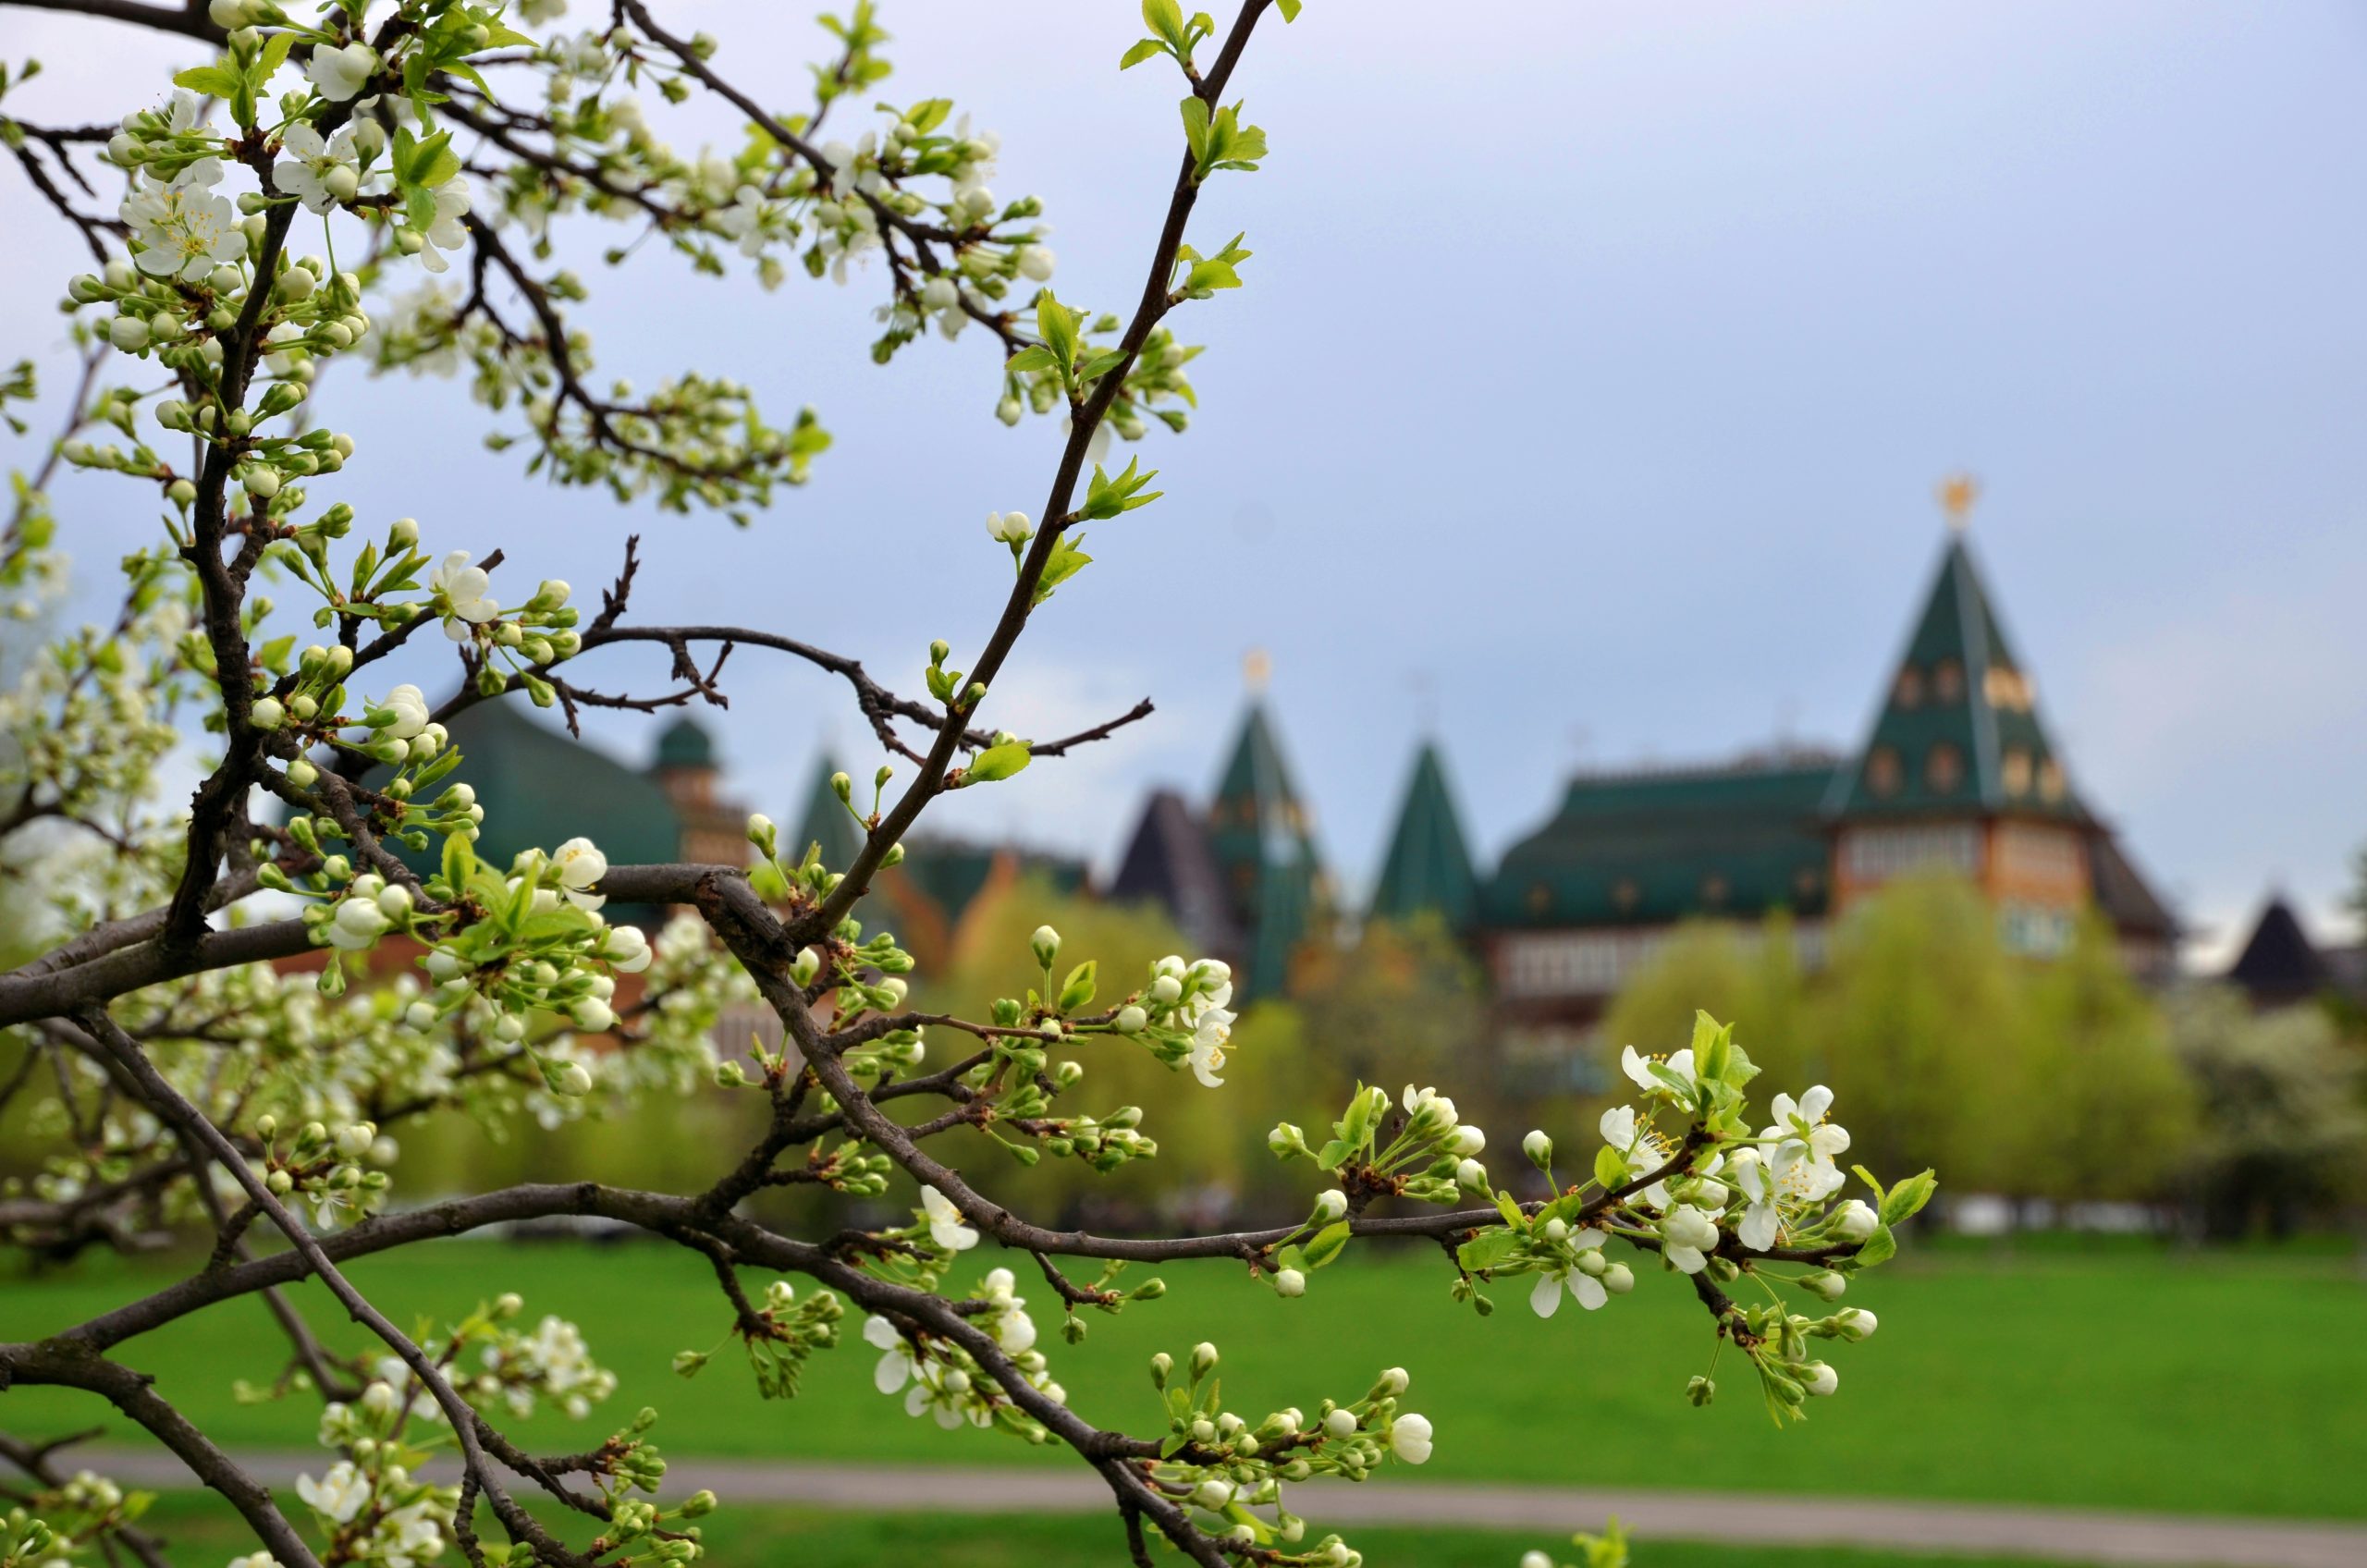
1428,867
824,821
1644,849
1258,834
540,788
684,743
1959,729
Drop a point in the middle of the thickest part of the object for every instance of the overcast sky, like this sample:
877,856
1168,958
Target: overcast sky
1597,365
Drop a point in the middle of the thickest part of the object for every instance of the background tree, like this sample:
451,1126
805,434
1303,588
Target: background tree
183,1086
2282,1126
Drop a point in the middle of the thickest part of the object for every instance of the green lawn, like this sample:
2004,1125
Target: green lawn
202,1529
2114,1379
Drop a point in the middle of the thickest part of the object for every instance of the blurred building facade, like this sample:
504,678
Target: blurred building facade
1956,771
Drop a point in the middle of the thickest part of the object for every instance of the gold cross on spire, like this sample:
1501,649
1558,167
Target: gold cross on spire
1958,494
1256,669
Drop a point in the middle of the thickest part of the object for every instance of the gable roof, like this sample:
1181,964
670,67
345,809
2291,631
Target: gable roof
1429,863
1957,689
1645,848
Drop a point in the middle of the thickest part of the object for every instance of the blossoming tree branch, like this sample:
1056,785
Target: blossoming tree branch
378,185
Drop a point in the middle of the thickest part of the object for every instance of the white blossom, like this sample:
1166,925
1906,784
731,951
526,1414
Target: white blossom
581,865
1687,1235
339,1495
318,172
342,73
1409,1438
945,1224
443,230
463,587
183,229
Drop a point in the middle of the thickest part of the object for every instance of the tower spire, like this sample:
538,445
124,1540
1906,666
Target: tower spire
1958,494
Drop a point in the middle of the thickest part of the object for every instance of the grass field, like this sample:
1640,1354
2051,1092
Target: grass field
202,1529
2125,1379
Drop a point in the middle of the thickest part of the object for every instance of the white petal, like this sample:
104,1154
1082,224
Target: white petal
1545,1299
1588,1290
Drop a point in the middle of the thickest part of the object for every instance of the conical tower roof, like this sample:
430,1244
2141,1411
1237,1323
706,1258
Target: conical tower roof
1429,865
1259,835
2279,964
1958,727
824,821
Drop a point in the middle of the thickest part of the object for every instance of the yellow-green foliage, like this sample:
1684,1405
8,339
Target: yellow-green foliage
2047,1078
1208,1138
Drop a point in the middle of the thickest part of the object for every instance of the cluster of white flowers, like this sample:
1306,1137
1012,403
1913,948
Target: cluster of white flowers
941,1380
1183,1013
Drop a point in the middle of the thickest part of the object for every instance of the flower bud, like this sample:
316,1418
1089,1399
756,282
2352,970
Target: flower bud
1331,1205
1204,1357
1290,1283
1826,1283
1539,1149
1339,1424
266,714
1854,1221
1046,945
1131,1019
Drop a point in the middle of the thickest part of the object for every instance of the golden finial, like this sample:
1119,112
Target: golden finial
1256,669
1958,494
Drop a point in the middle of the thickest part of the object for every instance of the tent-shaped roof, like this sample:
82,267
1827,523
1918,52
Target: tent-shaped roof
824,821
1428,865
1958,727
1168,862
2279,964
1259,833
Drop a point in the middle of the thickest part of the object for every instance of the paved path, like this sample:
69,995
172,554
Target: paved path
1552,1512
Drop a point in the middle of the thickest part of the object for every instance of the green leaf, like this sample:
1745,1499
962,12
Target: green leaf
214,81
1057,325
1335,1154
996,762
1328,1244
1487,1249
1033,357
1195,128
1144,49
1289,8
460,860
1079,988
1610,1169
1511,1211
1908,1197
1877,1248
1165,18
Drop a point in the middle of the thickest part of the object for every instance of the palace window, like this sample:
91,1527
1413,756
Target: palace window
2051,785
2014,769
1908,692
1881,771
1942,768
1947,681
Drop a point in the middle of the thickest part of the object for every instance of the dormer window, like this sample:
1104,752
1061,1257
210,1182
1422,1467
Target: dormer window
1947,681
2014,769
1883,771
1942,768
1908,691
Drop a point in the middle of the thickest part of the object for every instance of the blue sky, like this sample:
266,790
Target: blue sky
1594,374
